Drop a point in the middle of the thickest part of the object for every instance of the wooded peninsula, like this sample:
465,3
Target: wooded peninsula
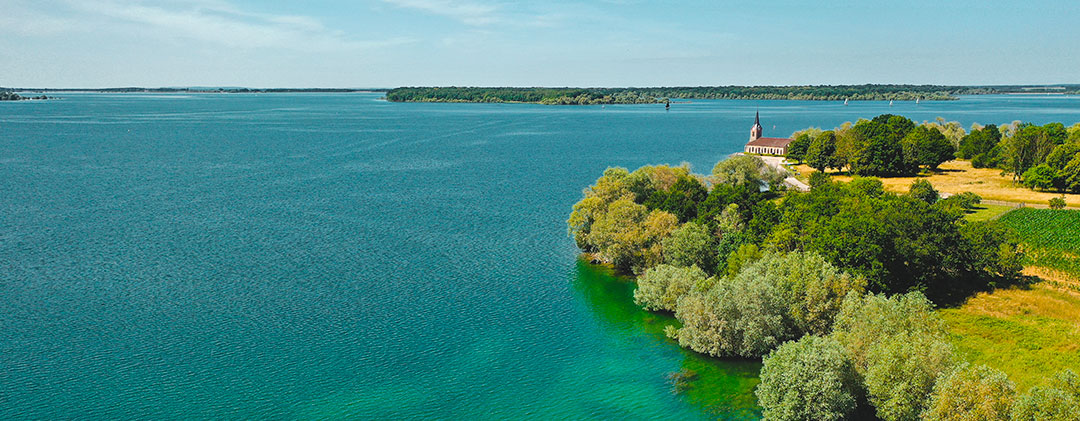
597,96
861,303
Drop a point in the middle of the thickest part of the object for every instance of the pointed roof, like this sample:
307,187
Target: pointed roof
757,118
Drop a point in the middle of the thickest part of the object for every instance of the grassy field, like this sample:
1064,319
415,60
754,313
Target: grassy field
960,176
986,212
1032,333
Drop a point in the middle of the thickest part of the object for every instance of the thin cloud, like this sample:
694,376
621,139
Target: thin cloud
467,12
209,21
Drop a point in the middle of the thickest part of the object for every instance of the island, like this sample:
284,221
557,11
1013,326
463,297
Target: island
860,302
12,96
597,96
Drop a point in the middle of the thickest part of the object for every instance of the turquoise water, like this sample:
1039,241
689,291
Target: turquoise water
332,256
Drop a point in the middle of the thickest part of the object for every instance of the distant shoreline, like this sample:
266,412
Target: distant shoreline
198,90
653,95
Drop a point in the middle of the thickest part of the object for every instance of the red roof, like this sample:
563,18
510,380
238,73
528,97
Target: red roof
771,142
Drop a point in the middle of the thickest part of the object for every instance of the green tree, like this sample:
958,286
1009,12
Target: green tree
691,245
1071,174
821,153
1042,177
864,320
777,298
742,170
1057,203
797,148
979,142
660,287
928,147
924,191
901,371
809,379
971,393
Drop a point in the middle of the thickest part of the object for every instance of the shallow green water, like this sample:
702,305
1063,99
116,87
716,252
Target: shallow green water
331,256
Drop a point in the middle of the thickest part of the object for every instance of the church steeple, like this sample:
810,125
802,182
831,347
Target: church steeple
755,132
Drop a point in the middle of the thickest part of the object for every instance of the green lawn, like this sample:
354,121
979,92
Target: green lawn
986,212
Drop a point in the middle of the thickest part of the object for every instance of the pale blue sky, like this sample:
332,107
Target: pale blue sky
387,43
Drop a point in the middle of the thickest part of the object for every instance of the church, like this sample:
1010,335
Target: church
765,145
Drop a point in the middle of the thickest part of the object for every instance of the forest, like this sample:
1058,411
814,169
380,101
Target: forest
835,289
631,95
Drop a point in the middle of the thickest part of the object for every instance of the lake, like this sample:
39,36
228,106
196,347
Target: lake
307,256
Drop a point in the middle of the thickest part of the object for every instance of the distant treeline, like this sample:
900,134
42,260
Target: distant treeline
197,90
589,96
11,96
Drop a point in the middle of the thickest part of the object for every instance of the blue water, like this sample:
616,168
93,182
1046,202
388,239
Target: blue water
334,255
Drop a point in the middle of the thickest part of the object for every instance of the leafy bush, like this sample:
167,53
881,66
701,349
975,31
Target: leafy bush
971,393
809,379
1058,401
901,370
923,190
660,287
1057,203
772,300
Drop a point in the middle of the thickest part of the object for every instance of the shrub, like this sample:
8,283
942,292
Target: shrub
691,245
660,288
775,299
1057,203
864,320
1058,401
923,190
811,379
900,373
971,393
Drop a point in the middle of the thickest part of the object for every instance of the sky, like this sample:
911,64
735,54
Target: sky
390,43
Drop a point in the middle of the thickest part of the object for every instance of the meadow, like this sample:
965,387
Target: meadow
1031,332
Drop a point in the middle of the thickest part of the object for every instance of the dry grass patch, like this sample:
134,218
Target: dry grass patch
958,177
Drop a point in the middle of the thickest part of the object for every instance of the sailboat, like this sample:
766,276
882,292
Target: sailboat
845,101
890,102
916,101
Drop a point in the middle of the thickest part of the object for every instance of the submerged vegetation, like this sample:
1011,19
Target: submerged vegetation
835,289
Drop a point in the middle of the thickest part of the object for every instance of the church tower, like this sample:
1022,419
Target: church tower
755,132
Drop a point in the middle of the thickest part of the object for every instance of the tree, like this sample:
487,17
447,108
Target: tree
776,298
746,170
820,154
660,287
691,245
797,148
883,152
927,146
809,379
1042,177
923,190
979,142
1059,401
864,320
1057,203
901,370
1071,174
971,393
